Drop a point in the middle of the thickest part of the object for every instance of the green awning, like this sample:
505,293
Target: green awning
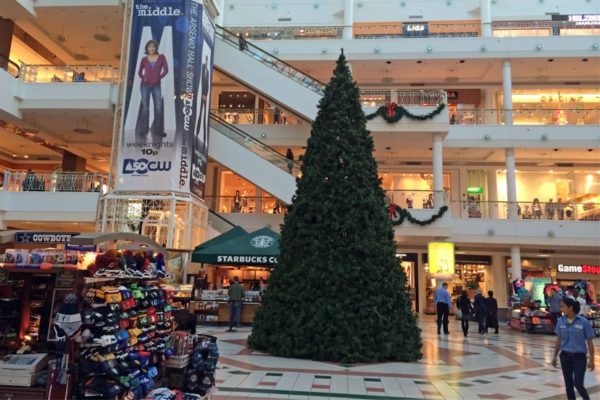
222,238
257,248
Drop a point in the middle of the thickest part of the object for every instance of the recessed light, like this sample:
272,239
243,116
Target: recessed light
83,131
590,149
14,155
388,62
462,61
555,149
551,60
25,156
430,149
584,59
388,148
419,62
101,37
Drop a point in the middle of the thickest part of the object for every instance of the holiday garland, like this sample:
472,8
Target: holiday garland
393,112
398,214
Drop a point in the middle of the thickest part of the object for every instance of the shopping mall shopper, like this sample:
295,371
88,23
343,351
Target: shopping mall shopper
554,301
575,295
236,295
573,332
442,302
480,311
491,305
464,305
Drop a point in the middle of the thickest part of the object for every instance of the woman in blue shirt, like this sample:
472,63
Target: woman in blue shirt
572,333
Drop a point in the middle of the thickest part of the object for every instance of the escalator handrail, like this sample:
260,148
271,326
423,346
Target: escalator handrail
252,139
228,222
233,34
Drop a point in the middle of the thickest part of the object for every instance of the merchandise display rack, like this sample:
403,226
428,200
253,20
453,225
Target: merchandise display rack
530,318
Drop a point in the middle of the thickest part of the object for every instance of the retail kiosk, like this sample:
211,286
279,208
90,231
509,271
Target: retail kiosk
249,256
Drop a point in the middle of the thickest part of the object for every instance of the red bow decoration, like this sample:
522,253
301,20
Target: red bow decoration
392,212
391,110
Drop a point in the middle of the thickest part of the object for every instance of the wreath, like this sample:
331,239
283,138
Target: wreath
398,214
393,112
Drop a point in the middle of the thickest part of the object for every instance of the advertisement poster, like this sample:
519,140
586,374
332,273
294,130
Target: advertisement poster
441,258
168,50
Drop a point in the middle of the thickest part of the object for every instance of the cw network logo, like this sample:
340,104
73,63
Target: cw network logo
143,166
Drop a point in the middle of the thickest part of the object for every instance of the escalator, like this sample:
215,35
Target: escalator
267,74
252,159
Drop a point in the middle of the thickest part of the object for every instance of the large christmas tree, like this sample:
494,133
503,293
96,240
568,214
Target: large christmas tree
338,292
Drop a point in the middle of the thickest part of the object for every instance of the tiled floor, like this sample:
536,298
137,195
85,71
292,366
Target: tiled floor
511,365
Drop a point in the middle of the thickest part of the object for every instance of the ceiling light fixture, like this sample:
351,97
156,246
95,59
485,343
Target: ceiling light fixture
83,130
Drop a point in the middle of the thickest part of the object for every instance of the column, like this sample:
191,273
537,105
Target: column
492,194
511,184
6,33
438,170
515,257
486,18
499,281
490,114
348,18
507,92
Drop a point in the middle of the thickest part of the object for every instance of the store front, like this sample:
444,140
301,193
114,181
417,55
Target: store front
410,263
554,195
463,106
561,106
470,274
411,189
237,195
236,253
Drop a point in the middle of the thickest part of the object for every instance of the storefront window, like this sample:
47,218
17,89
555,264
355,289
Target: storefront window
555,106
237,195
561,195
411,190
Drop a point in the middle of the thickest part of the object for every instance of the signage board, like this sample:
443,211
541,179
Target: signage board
579,269
579,19
419,29
440,256
164,136
44,237
66,279
474,190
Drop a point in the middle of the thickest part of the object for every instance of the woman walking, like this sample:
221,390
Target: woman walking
464,305
573,332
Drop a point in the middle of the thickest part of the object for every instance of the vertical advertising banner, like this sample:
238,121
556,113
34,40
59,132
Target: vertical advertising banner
162,97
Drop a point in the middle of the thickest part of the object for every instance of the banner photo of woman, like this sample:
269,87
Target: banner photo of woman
161,101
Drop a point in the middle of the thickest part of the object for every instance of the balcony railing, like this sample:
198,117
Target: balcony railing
30,181
245,204
9,66
528,210
69,73
407,98
527,116
415,198
398,31
249,116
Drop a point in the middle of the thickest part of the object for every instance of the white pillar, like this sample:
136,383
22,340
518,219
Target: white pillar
171,226
348,18
499,280
490,114
492,194
507,92
438,170
511,184
515,257
485,9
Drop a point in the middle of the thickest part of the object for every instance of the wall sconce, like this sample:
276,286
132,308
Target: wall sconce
323,50
487,137
276,51
429,49
538,47
550,233
377,49
544,138
483,47
595,46
491,232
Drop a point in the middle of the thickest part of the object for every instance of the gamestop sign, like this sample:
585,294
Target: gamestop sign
579,269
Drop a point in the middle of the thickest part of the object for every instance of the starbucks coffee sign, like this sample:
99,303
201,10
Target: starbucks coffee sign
579,269
250,260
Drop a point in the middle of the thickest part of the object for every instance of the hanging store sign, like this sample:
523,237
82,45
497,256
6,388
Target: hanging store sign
166,103
440,256
44,237
416,30
250,260
579,19
474,190
579,269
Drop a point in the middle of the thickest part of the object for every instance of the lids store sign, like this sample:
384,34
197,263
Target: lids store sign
579,269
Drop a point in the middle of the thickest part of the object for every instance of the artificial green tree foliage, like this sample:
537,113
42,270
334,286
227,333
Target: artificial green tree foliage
338,292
